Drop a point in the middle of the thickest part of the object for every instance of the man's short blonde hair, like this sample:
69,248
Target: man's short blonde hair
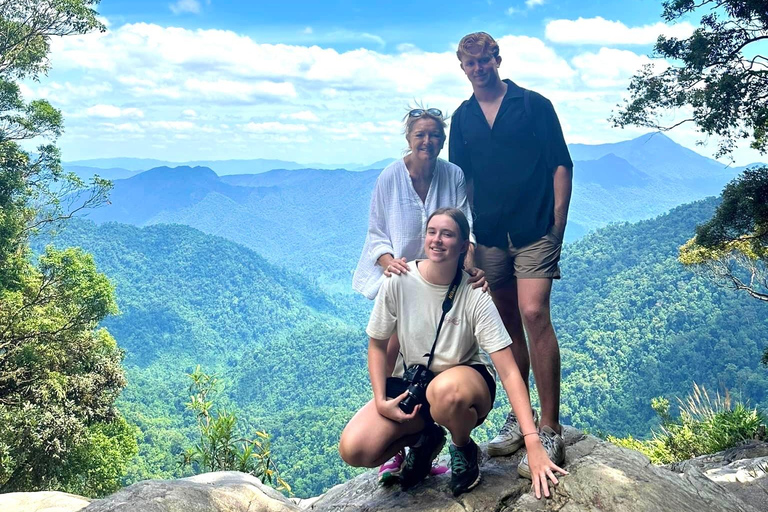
476,45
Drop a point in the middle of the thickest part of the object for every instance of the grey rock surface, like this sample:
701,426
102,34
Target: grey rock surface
743,470
226,491
44,501
603,477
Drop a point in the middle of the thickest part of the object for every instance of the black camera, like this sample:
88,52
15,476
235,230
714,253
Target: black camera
418,377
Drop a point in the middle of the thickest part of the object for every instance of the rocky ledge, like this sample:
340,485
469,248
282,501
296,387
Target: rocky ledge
603,477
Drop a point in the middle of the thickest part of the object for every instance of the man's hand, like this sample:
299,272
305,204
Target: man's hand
477,278
558,230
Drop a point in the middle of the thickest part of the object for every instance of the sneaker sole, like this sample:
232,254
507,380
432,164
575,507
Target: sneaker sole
474,484
500,450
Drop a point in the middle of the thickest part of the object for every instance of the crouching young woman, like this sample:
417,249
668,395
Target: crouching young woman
442,324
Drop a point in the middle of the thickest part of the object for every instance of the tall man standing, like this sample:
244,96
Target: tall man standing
510,145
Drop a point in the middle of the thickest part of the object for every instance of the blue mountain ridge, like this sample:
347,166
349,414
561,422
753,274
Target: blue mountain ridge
275,212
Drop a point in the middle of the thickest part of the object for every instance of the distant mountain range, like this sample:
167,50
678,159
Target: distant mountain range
315,219
120,168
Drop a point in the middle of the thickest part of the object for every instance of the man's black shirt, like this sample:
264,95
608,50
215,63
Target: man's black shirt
511,165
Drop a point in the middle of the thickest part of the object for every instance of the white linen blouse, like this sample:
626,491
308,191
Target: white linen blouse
398,219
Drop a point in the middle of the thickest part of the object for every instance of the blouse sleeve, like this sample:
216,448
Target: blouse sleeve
379,239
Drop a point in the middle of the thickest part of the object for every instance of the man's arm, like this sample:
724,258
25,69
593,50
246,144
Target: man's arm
563,177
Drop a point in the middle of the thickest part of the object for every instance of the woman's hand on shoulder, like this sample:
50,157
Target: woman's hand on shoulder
389,409
542,469
394,266
477,278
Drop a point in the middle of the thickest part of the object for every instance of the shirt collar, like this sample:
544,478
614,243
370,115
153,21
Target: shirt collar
513,91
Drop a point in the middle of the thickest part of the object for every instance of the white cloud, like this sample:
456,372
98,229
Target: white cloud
533,3
601,31
513,10
307,30
122,128
531,59
239,89
274,127
230,96
304,115
183,6
111,111
610,67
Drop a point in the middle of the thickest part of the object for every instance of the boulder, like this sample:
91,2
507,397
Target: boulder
44,501
225,491
602,477
743,470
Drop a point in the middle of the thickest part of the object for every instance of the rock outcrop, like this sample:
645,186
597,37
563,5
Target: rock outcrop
603,477
45,501
742,470
226,491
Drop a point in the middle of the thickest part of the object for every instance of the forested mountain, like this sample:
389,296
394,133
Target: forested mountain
292,359
633,324
312,220
638,179
276,212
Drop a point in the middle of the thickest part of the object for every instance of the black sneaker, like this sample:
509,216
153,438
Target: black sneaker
418,462
465,473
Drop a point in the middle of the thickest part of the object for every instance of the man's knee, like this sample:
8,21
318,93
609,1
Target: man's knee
535,316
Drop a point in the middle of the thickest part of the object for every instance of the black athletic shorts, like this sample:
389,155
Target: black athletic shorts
396,386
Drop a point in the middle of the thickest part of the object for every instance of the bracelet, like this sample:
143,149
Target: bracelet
531,434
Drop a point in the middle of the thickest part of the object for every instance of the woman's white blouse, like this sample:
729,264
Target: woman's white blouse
398,219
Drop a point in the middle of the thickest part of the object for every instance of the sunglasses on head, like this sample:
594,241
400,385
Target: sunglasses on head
418,112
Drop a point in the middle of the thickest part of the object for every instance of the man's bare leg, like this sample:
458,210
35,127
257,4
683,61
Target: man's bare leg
533,296
506,301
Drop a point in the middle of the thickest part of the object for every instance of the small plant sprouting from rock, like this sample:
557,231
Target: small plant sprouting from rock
704,426
219,448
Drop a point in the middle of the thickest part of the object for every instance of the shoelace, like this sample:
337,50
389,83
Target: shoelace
410,460
459,462
509,425
547,442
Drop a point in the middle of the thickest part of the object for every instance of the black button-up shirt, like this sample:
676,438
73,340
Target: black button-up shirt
511,165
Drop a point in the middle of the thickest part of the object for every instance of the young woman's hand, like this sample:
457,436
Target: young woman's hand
542,469
389,409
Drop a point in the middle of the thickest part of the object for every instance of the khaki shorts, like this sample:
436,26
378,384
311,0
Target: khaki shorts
539,259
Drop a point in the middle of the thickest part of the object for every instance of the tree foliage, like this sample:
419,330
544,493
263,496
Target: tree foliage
59,373
219,448
717,74
733,245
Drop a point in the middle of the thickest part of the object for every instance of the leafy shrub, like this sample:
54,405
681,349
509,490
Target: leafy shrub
703,426
219,448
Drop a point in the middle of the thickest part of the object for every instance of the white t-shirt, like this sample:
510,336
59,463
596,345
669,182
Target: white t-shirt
412,306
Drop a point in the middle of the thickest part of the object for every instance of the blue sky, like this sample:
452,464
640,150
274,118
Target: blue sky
329,81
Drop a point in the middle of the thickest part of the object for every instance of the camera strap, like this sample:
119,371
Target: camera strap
447,305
